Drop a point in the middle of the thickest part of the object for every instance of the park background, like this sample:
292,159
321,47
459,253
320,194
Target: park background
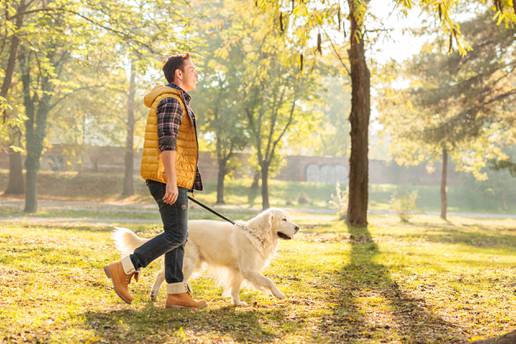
407,206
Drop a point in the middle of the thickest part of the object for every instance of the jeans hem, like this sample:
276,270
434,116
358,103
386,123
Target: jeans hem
178,288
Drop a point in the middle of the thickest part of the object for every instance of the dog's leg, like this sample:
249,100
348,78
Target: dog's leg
262,281
188,269
160,278
235,289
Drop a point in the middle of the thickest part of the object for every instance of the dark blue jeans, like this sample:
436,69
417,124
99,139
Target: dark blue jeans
175,232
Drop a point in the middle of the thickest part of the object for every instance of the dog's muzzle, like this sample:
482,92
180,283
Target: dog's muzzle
284,236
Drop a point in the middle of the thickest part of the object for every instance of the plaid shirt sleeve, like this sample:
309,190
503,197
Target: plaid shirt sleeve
169,120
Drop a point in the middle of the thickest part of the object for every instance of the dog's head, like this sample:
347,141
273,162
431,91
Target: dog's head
278,222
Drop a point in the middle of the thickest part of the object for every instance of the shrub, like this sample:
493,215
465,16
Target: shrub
404,204
340,200
303,198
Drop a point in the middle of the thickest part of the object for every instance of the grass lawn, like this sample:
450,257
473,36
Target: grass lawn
427,281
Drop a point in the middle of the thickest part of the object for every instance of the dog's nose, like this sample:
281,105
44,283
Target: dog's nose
296,228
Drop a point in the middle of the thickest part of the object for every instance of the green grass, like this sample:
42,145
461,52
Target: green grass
133,213
427,281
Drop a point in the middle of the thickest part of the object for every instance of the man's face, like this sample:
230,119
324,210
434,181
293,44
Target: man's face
187,79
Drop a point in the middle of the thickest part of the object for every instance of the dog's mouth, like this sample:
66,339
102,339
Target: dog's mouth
284,236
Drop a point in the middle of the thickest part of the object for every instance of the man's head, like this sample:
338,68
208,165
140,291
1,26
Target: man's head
180,70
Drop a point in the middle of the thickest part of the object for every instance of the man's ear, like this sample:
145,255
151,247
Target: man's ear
178,74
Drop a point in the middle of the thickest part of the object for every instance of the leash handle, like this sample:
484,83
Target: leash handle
209,209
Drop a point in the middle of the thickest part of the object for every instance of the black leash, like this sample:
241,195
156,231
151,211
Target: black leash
208,208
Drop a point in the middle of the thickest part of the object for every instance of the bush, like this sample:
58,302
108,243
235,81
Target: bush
404,204
303,198
340,200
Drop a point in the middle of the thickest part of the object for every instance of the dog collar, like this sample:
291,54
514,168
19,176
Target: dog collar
261,241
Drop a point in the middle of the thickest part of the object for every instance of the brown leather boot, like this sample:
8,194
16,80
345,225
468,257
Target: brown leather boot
184,300
120,280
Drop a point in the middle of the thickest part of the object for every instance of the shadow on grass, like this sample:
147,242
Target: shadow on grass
508,338
480,240
371,305
473,235
157,325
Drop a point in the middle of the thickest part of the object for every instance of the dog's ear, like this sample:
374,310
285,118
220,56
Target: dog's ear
267,221
262,221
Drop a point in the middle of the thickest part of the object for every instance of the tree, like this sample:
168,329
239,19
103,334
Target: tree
155,37
101,30
273,93
315,16
222,114
12,24
463,112
251,78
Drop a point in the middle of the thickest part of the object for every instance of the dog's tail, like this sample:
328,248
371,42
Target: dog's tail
126,240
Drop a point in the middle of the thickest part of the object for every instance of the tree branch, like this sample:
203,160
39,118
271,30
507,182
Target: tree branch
289,122
337,54
78,89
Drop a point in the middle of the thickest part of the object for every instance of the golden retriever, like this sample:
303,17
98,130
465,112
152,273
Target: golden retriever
242,250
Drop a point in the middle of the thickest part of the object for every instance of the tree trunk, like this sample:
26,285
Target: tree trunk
220,180
31,164
34,149
359,120
265,184
129,143
444,176
31,176
15,185
11,60
35,131
253,190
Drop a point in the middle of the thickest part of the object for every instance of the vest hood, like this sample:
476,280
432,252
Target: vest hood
157,91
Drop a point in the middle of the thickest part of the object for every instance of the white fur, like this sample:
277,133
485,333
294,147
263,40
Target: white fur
229,252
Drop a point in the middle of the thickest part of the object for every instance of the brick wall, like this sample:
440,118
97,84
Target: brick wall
297,168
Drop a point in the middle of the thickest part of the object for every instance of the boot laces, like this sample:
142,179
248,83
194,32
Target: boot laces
136,276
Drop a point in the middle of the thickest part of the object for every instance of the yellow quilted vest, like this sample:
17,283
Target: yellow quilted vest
186,142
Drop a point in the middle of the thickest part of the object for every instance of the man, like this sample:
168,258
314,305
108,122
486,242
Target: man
169,167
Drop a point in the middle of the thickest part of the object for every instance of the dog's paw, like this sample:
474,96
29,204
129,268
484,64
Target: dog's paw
278,294
240,304
153,296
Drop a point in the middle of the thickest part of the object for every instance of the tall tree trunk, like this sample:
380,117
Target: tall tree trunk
444,176
129,142
34,149
265,184
31,164
35,130
15,185
11,60
31,176
220,180
256,181
253,190
359,120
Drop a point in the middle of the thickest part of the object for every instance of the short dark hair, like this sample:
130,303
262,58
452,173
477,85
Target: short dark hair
174,62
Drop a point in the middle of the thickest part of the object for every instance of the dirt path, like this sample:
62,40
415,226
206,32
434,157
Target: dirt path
128,206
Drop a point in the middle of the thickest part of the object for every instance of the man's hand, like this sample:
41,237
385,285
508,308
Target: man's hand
169,162
171,193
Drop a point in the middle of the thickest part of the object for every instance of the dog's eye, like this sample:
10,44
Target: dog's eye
284,219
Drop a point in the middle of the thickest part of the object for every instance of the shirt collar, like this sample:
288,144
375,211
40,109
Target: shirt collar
186,95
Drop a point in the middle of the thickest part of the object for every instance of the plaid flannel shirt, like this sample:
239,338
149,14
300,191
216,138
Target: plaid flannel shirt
170,115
